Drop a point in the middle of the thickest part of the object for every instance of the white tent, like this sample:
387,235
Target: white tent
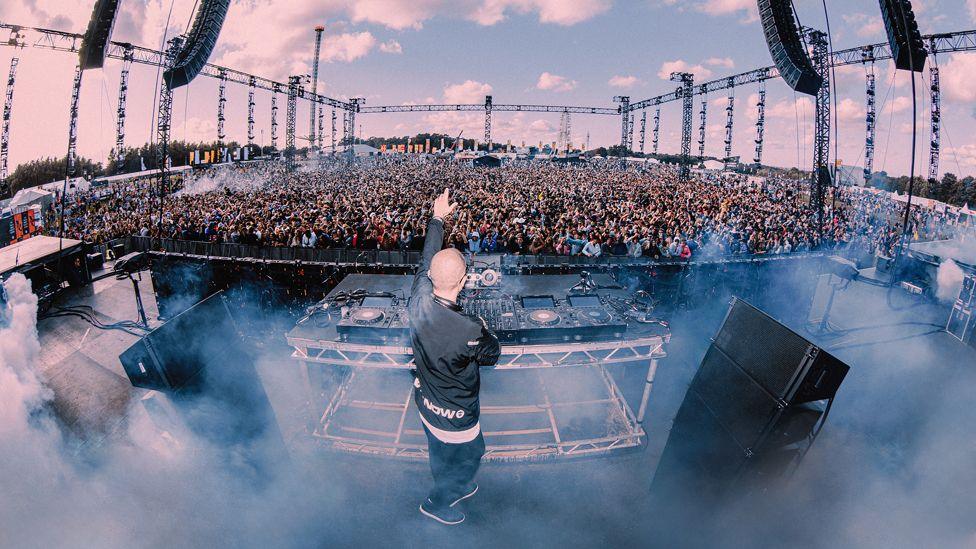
30,197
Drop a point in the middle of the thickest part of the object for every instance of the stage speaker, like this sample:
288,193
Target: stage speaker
179,282
786,48
95,42
905,40
199,43
752,410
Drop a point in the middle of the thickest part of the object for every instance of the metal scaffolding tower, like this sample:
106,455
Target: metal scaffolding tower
760,122
643,129
349,130
565,132
935,142
333,132
630,134
221,102
164,116
275,88
822,179
869,123
624,101
250,111
294,88
321,134
315,84
729,118
687,81
657,130
73,123
8,104
703,117
488,123
120,112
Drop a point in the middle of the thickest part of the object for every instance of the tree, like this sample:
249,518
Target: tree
46,170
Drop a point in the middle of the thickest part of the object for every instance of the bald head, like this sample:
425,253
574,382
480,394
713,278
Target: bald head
447,271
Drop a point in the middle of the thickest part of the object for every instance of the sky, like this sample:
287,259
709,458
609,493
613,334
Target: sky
561,52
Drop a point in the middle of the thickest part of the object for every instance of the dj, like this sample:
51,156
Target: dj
448,348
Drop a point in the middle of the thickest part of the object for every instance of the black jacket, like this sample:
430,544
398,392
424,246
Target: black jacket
448,348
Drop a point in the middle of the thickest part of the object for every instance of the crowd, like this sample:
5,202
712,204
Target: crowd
522,208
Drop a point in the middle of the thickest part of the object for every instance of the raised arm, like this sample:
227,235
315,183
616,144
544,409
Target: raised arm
432,243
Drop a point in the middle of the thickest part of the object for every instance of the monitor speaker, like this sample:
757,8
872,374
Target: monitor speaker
95,42
786,48
179,283
752,410
905,40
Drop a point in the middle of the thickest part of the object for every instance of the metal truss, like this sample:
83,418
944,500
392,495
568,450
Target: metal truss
657,130
120,113
821,139
630,134
349,129
73,123
21,36
274,116
315,85
959,41
321,134
729,117
294,90
624,101
221,103
250,112
643,129
8,104
477,107
488,107
371,368
164,116
760,122
935,140
333,132
870,119
703,116
687,81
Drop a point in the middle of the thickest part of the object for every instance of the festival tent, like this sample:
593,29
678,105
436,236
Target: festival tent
26,198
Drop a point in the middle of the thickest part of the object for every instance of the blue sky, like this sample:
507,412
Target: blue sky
532,51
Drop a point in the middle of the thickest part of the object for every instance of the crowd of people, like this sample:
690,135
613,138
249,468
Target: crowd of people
522,208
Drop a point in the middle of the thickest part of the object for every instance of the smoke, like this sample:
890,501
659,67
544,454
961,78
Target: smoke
231,179
948,281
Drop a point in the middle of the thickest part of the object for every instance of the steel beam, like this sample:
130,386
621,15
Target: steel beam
250,112
760,122
703,117
8,104
120,114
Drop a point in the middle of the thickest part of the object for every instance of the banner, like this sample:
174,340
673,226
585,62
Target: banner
427,145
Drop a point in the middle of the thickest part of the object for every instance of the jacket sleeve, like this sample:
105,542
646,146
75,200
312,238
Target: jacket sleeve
488,349
432,244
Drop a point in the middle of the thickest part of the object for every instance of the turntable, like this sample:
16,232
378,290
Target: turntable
375,317
367,316
544,317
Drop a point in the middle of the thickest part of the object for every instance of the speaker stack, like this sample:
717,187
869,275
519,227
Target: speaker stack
786,48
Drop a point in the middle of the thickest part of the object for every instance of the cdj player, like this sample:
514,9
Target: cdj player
375,317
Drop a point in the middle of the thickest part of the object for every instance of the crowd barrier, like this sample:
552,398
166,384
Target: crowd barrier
395,257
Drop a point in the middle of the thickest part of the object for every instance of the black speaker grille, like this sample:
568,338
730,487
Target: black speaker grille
785,47
770,352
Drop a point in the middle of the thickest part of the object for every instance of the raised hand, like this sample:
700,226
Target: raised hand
443,206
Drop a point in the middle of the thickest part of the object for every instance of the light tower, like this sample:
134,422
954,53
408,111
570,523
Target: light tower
687,81
315,81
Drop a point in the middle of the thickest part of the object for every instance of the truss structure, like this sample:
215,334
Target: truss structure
935,136
870,120
729,118
8,104
703,117
687,81
73,123
120,112
657,130
821,138
250,112
315,84
488,107
760,122
624,109
370,410
294,90
333,133
643,129
274,116
221,105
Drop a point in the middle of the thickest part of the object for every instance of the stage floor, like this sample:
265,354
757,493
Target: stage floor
896,451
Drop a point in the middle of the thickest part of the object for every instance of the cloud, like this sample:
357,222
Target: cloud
849,110
957,77
469,91
971,7
395,14
391,46
745,8
867,26
724,62
554,82
558,12
348,47
624,82
680,65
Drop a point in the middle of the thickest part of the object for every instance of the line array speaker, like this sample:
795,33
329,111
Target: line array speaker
199,44
94,43
786,48
905,40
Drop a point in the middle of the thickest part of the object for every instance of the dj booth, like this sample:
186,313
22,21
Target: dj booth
574,367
